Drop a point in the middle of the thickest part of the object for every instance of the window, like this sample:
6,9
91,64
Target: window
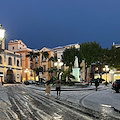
43,59
44,68
31,73
14,60
31,65
18,63
21,61
13,48
20,47
0,60
9,61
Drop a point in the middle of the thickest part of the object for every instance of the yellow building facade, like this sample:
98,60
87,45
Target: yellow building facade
10,62
45,63
10,67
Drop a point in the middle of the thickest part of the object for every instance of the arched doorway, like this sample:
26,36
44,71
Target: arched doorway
10,76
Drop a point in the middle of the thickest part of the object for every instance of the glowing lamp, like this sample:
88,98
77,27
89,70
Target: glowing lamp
2,32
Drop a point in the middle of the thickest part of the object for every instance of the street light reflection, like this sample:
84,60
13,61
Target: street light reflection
57,117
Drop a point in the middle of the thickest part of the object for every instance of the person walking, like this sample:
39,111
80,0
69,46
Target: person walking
48,88
96,84
58,87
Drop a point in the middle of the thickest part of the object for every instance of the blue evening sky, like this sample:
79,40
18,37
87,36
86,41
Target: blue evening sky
53,23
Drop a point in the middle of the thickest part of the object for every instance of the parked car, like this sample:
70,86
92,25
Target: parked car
29,82
116,85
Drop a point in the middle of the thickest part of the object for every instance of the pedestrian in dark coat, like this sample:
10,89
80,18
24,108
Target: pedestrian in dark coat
96,84
58,87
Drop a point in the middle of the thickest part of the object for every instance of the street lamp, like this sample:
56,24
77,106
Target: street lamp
26,71
112,75
58,64
2,36
106,69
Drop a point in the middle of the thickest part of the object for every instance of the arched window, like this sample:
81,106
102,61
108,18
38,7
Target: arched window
18,63
0,60
9,61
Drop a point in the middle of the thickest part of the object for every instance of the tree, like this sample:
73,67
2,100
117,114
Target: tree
32,55
67,76
45,54
69,56
90,51
51,72
114,57
53,59
37,70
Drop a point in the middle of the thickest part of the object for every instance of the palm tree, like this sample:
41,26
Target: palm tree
51,72
32,55
45,54
67,76
53,59
38,70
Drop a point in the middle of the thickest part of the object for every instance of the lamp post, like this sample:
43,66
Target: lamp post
26,71
58,64
112,75
2,37
106,69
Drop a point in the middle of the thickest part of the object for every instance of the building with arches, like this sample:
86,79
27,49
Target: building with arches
17,46
10,67
10,62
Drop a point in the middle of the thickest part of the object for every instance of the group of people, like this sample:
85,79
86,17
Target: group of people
58,87
48,88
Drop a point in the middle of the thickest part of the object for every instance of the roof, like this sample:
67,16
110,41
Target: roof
45,49
60,47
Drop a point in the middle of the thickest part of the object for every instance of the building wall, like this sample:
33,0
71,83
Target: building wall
47,63
4,66
21,48
16,45
59,50
83,70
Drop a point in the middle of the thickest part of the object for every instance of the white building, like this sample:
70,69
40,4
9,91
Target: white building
10,62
